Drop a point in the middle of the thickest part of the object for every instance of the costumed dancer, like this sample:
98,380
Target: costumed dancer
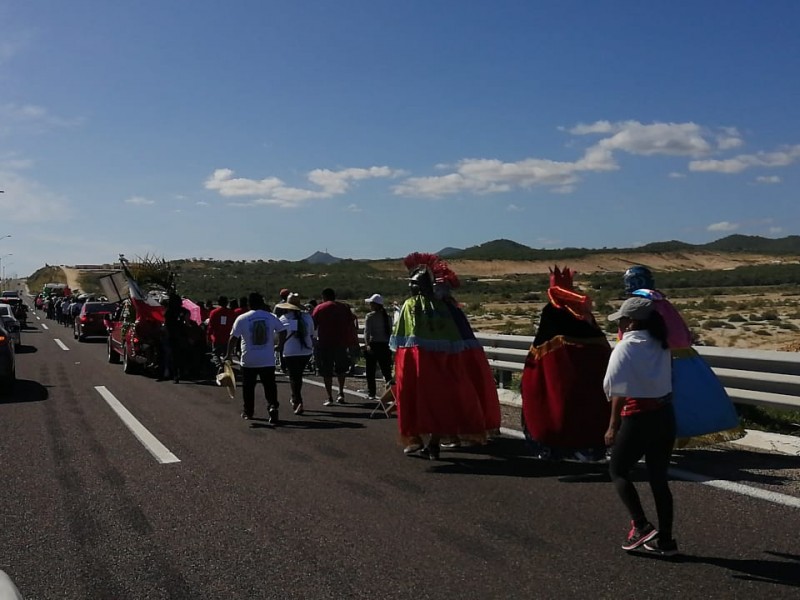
443,383
564,407
703,410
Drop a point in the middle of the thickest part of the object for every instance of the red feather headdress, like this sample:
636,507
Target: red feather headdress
439,269
562,294
562,278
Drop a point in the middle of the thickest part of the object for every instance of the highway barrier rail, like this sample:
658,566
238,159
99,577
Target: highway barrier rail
756,377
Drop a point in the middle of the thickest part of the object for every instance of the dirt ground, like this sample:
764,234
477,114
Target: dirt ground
665,261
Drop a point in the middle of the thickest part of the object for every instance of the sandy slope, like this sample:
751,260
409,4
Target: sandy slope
672,261
72,277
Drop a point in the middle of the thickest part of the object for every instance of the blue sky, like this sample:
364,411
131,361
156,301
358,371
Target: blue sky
372,128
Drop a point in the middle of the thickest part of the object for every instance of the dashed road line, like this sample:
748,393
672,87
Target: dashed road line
45,327
60,344
159,451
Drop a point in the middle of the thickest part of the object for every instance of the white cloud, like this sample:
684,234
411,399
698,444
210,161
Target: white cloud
780,158
670,139
514,208
768,179
139,201
273,191
775,230
27,201
353,208
596,127
201,203
31,118
676,175
729,138
490,176
723,226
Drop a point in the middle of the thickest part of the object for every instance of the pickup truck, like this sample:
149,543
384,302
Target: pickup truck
135,340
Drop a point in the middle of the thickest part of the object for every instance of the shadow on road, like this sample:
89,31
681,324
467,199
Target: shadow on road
305,424
780,572
26,391
26,349
508,457
737,465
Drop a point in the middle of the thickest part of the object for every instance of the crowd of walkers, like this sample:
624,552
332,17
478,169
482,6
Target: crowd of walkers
581,400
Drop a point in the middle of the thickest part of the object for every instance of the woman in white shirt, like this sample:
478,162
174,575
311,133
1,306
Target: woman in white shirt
638,382
298,346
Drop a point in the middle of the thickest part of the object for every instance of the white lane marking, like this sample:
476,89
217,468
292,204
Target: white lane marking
159,451
336,388
60,344
737,488
722,484
45,327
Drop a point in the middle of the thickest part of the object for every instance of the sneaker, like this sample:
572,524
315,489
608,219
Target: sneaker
328,402
340,398
371,398
411,449
298,410
662,547
450,445
246,417
431,451
639,535
273,416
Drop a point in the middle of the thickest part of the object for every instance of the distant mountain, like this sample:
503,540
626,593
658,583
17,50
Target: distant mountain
510,250
670,246
754,243
449,251
322,258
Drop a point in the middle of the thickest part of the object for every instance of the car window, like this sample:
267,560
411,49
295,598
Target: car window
95,307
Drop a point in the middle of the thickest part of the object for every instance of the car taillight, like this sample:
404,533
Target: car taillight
3,340
84,318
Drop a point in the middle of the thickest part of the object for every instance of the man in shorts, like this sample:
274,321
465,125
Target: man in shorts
335,332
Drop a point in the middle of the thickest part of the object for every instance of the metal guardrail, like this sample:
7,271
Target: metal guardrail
758,377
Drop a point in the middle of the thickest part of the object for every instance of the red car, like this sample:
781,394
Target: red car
90,322
137,341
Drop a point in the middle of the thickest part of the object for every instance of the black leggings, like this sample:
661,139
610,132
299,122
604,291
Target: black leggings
379,354
296,365
650,434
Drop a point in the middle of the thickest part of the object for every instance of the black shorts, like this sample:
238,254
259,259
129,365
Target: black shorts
332,361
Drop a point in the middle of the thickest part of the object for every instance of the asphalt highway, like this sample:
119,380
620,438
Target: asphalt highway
327,506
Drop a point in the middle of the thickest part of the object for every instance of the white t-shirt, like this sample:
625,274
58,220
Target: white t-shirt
294,343
256,330
638,367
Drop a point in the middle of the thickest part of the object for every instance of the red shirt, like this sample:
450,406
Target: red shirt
334,323
220,321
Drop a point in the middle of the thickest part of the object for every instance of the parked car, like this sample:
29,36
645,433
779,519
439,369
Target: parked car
18,307
91,321
7,361
10,294
136,340
133,340
10,323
